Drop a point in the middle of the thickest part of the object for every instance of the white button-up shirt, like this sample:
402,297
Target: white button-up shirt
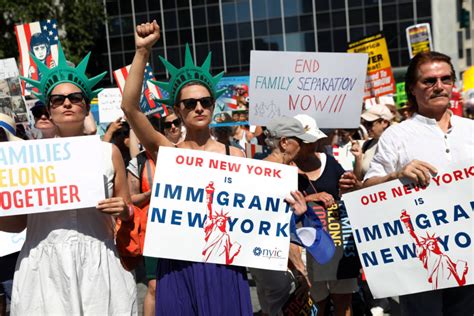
421,138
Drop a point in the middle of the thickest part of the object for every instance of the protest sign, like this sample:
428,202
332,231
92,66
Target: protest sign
50,175
380,80
419,39
11,242
8,68
41,39
326,86
412,239
11,100
230,211
232,107
109,101
401,98
150,93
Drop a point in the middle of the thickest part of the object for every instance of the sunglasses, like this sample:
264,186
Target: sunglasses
432,81
369,124
56,100
176,122
190,104
37,114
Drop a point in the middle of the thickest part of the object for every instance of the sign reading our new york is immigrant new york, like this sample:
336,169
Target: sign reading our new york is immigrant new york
50,175
412,239
207,207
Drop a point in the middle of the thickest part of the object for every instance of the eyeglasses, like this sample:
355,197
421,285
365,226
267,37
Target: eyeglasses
190,104
432,81
38,114
56,100
176,122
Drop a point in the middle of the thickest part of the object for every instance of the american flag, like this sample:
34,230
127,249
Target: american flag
150,92
42,33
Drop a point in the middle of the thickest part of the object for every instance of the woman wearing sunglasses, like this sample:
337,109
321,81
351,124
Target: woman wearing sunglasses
172,128
69,263
185,288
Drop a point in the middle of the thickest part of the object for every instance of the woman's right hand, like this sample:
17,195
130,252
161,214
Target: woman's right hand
356,149
324,197
147,35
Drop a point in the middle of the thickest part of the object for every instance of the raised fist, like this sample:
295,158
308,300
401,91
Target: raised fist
147,35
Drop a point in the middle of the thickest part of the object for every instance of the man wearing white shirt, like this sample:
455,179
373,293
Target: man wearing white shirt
420,147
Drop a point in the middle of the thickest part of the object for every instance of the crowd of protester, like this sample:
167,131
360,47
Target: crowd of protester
69,263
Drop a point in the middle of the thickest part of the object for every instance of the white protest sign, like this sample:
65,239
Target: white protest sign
50,175
109,105
11,242
8,68
227,210
327,86
413,239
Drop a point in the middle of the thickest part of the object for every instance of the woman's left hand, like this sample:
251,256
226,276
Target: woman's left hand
297,202
115,206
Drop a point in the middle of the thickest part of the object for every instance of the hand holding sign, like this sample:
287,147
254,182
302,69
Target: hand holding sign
417,171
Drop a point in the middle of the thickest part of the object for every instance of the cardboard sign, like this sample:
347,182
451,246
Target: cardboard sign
230,211
8,68
41,39
419,39
326,86
50,175
109,105
412,239
11,242
380,80
232,108
11,100
150,92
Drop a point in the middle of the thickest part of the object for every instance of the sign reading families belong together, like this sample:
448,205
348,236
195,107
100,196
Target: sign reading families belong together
327,86
412,239
50,175
230,211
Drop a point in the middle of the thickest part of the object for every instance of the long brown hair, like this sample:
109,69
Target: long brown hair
411,77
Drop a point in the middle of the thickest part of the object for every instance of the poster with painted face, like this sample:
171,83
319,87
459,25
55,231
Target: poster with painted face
232,108
41,40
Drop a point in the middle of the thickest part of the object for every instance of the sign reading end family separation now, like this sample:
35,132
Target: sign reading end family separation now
327,86
227,210
50,175
412,239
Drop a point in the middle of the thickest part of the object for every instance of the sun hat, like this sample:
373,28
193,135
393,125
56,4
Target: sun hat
9,126
289,127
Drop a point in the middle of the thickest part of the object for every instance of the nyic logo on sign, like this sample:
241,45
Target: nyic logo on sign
268,253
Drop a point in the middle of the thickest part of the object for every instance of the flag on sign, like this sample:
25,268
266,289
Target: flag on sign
41,39
150,92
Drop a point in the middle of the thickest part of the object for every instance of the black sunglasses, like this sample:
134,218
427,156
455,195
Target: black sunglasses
190,104
39,112
176,122
56,100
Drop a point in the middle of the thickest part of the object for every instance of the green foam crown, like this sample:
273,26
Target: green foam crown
51,77
189,73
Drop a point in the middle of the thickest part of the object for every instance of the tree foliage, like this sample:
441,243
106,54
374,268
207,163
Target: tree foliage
80,22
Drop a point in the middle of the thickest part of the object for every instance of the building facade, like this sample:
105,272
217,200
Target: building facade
232,28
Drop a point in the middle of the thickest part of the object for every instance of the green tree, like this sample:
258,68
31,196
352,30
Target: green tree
80,23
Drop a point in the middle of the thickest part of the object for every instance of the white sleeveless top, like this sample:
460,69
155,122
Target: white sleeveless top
69,264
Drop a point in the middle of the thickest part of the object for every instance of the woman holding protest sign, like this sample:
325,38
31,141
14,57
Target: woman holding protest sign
69,263
187,288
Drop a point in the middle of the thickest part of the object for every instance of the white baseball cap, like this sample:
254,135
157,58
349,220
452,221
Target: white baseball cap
310,126
377,111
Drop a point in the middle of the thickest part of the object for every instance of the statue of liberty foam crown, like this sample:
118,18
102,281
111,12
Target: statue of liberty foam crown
51,77
189,73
